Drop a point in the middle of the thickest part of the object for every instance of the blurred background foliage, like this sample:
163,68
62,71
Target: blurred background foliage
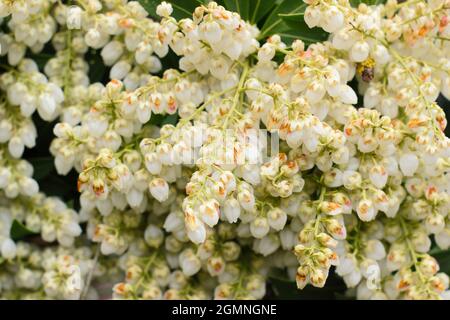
282,17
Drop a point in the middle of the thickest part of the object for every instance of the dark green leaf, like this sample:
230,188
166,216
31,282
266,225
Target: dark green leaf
443,257
240,6
97,69
171,119
259,9
71,204
19,231
43,166
291,16
299,30
274,24
60,186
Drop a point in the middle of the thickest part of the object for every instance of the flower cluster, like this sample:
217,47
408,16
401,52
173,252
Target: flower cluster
301,159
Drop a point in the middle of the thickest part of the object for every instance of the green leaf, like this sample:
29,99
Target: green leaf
19,231
43,166
97,69
274,24
240,6
298,29
443,257
259,9
170,119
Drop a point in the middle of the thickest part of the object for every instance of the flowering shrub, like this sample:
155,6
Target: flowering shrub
258,154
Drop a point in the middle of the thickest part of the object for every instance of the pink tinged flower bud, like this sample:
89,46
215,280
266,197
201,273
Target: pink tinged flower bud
8,249
159,189
195,228
259,227
365,210
99,188
210,212
409,164
231,210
